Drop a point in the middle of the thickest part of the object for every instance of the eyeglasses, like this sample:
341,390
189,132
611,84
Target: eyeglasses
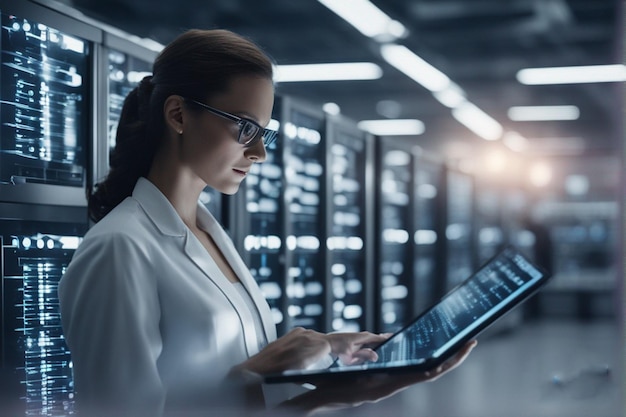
250,132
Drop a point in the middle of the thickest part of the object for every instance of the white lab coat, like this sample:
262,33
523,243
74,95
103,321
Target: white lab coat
150,320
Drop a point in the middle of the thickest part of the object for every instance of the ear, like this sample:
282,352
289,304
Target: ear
173,111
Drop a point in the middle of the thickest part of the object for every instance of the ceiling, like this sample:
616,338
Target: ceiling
479,44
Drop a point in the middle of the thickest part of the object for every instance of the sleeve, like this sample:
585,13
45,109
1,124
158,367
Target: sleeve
110,315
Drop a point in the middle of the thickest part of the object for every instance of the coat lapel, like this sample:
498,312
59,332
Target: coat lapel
166,219
210,225
199,256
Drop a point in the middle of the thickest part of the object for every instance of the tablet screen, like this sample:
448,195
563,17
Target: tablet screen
499,285
492,289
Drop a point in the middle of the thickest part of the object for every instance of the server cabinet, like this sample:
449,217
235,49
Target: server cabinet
426,236
37,245
47,62
123,64
349,204
47,99
459,227
491,235
303,158
394,218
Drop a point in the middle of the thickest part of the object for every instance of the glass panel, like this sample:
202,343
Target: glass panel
304,153
32,340
43,104
395,271
346,242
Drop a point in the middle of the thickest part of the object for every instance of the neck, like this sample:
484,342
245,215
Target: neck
179,185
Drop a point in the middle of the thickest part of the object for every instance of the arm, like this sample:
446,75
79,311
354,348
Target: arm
110,314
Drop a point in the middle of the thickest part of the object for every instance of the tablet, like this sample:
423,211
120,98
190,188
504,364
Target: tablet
440,331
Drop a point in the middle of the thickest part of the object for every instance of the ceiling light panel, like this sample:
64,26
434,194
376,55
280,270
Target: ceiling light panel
367,19
327,72
393,127
543,113
403,59
572,75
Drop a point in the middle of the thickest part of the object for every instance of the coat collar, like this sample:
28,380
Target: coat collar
159,209
168,222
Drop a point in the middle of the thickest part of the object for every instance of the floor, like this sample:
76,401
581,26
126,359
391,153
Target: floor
541,369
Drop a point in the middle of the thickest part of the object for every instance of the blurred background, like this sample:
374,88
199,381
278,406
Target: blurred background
417,137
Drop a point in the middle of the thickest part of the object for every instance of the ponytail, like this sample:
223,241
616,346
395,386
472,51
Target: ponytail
133,153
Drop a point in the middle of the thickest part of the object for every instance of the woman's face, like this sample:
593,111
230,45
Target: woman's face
210,148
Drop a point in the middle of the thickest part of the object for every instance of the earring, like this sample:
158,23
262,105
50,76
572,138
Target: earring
180,132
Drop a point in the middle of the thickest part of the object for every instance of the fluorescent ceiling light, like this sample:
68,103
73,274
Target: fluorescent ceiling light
327,72
477,121
393,127
573,75
367,18
452,96
540,113
415,67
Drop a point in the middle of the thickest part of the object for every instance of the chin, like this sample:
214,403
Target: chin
229,190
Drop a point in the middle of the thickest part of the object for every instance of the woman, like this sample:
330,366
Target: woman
159,311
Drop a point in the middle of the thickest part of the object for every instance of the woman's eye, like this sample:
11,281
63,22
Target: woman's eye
248,131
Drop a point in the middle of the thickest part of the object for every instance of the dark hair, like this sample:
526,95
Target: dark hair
197,64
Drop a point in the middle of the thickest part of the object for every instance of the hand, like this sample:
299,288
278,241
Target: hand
355,348
333,395
301,348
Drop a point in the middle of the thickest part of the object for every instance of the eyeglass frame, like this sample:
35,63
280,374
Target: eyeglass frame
268,135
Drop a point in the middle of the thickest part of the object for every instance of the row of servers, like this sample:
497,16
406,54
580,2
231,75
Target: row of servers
342,230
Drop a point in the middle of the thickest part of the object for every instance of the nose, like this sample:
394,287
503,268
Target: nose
257,152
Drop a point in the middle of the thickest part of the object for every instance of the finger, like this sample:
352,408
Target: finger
369,338
366,355
346,343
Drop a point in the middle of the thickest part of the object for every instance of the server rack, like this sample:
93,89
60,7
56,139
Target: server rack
427,236
349,204
122,63
490,228
394,252
306,286
48,65
37,245
46,103
458,227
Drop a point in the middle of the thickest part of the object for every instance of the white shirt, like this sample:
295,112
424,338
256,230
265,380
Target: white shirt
151,321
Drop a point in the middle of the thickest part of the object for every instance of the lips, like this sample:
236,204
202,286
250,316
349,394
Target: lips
240,171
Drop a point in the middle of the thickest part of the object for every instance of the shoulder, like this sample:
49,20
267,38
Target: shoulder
124,236
118,249
126,218
125,224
